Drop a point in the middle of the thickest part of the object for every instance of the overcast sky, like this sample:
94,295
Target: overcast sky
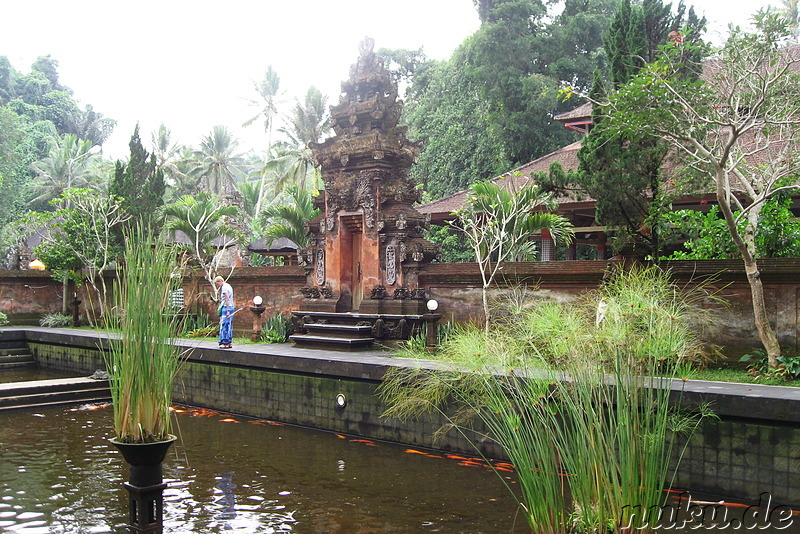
192,64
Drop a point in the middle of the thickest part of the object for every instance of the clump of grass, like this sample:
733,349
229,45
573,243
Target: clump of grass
276,329
55,320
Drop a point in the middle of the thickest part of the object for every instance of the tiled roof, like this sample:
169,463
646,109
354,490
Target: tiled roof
566,156
584,111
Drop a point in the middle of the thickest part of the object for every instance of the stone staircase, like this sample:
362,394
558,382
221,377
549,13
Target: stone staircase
55,392
333,335
15,354
351,331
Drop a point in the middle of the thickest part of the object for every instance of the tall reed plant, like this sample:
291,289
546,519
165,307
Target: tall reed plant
143,359
581,397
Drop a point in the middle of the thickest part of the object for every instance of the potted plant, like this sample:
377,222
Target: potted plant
142,362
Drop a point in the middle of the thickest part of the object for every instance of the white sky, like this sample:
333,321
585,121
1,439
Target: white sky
191,64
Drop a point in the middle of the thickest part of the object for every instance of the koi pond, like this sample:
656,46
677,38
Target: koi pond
58,474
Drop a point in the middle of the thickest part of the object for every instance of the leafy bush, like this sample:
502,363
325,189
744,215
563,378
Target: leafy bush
195,322
3,319
55,320
788,365
277,329
205,331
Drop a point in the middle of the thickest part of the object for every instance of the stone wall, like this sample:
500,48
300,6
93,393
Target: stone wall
457,287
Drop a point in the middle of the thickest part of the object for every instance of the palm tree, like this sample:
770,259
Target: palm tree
309,122
268,91
168,159
217,162
250,196
289,220
69,164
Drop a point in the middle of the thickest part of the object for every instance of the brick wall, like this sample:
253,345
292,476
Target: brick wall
457,287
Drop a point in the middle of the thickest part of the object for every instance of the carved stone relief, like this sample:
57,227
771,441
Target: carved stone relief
320,267
391,265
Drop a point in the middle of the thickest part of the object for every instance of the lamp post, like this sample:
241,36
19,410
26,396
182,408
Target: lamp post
430,322
75,315
258,309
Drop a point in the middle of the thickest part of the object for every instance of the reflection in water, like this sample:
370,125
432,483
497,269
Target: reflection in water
58,474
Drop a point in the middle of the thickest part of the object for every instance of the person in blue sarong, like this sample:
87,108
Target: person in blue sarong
225,311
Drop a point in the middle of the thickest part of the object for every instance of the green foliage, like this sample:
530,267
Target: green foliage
217,164
490,106
788,367
80,236
706,236
69,164
277,329
3,319
289,220
210,330
621,171
454,249
201,217
143,361
192,323
498,221
55,320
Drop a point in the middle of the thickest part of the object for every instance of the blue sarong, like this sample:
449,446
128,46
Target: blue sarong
226,326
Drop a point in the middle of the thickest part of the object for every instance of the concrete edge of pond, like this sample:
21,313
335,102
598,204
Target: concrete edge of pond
757,402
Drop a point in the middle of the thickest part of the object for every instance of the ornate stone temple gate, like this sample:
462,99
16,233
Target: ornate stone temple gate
367,243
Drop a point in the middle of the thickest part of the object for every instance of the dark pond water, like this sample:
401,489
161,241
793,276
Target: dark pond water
59,474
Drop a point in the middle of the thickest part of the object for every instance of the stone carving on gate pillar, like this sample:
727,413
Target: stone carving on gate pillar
368,222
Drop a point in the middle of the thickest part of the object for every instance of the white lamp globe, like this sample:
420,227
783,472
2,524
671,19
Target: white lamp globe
432,305
257,300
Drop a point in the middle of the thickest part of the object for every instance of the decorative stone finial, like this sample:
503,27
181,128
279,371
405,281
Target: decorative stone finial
366,47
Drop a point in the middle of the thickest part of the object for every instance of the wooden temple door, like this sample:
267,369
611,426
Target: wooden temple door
358,270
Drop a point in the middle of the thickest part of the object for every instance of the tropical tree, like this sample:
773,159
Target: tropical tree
498,220
68,165
92,125
172,159
80,235
738,127
217,162
202,219
140,184
269,93
289,220
308,123
623,173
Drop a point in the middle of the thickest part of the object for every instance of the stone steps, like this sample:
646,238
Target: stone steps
336,332
56,392
14,358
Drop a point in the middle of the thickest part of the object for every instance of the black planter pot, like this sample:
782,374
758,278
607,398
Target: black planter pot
145,483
